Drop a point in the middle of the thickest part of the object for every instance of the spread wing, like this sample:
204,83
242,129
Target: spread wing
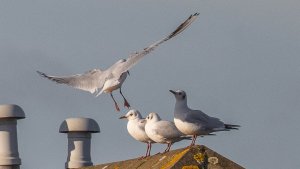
134,58
89,81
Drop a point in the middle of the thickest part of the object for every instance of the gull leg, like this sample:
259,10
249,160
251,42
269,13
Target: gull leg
168,147
149,147
116,104
126,104
142,157
147,152
193,141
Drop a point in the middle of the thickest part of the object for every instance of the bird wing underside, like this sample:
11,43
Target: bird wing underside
89,81
134,58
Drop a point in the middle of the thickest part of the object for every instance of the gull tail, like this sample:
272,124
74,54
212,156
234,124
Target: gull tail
231,126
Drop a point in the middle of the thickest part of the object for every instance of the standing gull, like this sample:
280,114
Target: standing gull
195,122
164,132
136,128
97,81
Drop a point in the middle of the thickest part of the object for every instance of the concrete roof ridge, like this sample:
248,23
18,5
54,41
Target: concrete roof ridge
183,158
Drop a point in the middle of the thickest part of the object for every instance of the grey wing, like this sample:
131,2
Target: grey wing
134,58
197,116
167,130
216,124
89,81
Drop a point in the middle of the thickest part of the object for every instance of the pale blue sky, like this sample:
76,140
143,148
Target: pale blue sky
238,61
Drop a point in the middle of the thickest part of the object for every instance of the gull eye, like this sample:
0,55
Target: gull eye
130,114
180,93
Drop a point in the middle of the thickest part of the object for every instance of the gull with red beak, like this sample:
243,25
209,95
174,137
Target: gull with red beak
195,122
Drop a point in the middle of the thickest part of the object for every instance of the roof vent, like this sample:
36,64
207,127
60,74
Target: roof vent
9,155
79,140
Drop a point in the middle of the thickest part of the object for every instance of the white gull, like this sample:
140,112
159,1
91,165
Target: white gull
195,122
136,128
97,81
164,132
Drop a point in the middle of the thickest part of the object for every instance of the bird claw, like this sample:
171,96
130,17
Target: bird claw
190,146
117,107
126,104
140,158
143,157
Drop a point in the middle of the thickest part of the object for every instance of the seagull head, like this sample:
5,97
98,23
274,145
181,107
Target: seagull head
131,115
179,94
152,117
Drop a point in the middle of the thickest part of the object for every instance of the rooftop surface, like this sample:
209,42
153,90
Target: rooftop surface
196,157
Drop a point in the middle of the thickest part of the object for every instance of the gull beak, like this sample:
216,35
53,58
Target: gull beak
122,117
172,92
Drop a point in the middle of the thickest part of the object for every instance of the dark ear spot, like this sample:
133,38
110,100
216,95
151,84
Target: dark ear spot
183,97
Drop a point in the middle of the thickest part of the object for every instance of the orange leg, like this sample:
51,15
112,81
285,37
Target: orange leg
116,104
126,104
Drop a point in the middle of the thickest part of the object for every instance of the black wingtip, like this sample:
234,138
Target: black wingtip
41,74
232,126
196,14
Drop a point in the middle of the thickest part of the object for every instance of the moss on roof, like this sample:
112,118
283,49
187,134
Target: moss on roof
196,157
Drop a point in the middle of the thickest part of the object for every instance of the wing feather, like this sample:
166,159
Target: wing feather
208,122
89,81
134,58
167,130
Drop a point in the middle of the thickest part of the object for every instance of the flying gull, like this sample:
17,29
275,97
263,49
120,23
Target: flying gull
97,81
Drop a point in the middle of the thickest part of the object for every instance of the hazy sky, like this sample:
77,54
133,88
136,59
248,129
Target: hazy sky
238,61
